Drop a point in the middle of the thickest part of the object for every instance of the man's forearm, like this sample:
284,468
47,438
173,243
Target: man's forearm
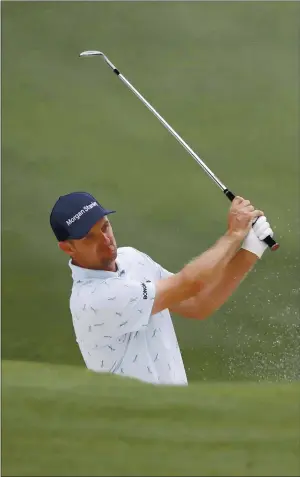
214,295
210,264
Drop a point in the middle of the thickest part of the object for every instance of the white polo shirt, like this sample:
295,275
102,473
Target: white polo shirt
113,324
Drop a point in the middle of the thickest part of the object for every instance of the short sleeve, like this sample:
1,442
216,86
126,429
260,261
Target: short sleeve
118,306
164,273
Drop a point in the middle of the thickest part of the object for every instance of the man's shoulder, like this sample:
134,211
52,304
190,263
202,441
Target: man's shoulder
132,256
132,253
126,251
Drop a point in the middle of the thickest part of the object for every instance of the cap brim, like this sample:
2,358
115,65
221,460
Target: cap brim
85,227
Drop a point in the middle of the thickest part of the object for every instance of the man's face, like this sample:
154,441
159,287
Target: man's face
97,250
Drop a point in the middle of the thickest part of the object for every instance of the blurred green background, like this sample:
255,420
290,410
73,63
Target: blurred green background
225,76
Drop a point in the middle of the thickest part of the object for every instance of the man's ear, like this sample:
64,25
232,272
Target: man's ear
66,247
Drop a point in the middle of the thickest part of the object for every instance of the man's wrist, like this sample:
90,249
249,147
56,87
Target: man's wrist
234,237
232,241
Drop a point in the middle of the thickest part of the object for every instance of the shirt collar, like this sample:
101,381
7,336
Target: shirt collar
79,273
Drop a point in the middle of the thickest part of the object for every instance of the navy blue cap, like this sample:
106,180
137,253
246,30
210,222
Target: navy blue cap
73,215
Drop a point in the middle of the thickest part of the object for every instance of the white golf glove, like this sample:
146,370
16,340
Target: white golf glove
253,241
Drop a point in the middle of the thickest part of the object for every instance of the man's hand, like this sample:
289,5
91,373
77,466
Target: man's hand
241,216
253,242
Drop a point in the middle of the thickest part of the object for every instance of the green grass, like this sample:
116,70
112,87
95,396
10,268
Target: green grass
61,420
226,77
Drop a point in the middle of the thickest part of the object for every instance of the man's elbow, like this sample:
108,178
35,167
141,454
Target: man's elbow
198,315
203,313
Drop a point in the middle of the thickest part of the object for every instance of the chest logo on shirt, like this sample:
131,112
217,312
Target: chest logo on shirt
145,293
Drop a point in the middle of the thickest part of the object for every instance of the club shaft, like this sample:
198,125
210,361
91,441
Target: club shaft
167,126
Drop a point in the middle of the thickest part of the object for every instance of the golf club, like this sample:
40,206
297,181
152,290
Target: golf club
268,240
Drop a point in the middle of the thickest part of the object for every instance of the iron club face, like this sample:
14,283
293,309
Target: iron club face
91,53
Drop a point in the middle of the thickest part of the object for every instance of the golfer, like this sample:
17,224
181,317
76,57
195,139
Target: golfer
121,299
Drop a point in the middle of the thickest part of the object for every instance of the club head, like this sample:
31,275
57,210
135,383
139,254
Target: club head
92,53
99,53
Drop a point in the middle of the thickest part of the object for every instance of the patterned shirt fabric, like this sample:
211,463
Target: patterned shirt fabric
113,324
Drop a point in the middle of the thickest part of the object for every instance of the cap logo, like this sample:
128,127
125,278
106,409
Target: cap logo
77,216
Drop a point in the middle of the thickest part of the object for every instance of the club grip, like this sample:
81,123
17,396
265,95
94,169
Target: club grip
230,195
272,244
